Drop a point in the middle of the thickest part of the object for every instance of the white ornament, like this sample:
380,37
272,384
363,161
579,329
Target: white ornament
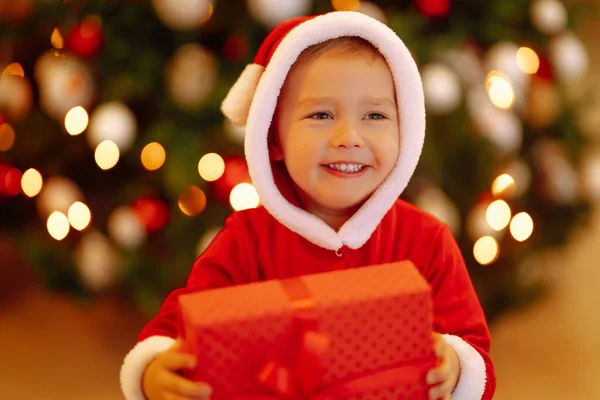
58,194
183,14
442,89
561,182
372,10
125,228
98,262
569,57
465,62
501,127
590,177
272,12
235,132
548,16
437,203
191,75
64,84
206,240
112,121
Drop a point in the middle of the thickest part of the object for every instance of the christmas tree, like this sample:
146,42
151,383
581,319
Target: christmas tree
117,167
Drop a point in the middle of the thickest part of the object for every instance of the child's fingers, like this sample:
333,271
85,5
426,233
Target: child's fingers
439,373
180,386
441,391
174,361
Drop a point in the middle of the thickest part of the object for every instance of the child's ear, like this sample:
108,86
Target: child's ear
275,149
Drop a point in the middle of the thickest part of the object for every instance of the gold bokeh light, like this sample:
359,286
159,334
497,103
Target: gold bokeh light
486,250
244,196
58,225
79,215
192,201
7,137
31,182
498,215
211,167
500,90
153,156
527,60
107,155
521,226
76,120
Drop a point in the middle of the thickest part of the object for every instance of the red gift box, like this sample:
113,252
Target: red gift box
362,333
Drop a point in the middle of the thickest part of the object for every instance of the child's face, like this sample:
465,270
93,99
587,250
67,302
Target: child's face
338,129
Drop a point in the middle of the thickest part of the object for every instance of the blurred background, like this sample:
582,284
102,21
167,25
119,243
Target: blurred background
117,169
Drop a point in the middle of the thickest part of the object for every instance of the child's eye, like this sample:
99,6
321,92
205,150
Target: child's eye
320,115
375,116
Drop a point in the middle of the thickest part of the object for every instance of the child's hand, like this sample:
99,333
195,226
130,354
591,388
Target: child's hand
445,375
161,380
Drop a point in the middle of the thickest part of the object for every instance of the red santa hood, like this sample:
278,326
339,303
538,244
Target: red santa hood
253,99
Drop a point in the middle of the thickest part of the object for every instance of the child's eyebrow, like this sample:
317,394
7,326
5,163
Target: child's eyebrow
371,100
309,101
379,101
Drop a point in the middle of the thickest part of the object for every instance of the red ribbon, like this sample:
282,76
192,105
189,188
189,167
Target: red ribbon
301,382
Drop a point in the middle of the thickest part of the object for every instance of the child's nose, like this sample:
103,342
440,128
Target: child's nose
346,135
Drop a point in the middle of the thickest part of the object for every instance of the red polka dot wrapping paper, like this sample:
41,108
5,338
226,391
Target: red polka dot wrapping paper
375,318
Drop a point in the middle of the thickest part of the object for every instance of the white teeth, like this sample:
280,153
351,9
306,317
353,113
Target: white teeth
347,167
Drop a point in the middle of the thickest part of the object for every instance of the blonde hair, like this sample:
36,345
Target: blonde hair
342,46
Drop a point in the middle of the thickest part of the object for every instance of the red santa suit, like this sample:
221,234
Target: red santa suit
280,240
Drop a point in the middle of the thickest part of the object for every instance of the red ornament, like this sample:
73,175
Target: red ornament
85,39
433,8
10,181
235,48
153,213
236,172
544,72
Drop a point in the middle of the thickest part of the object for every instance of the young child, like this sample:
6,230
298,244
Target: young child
335,125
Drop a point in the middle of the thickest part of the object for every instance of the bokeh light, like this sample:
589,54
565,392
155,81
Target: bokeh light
14,69
504,186
153,156
31,182
211,167
7,137
486,250
12,181
76,120
521,226
79,216
244,196
56,39
527,60
498,215
107,155
58,225
345,5
500,90
192,201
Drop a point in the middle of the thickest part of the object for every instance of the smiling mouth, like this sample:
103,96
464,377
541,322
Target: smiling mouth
346,167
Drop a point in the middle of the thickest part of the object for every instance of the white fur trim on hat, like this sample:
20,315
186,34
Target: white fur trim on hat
237,102
135,364
471,384
358,229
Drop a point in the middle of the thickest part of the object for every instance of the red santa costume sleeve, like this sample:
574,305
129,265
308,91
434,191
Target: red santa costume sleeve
458,313
222,264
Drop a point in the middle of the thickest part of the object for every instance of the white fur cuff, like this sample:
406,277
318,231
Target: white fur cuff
135,364
471,384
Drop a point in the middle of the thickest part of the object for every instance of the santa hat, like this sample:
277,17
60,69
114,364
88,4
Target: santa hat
252,100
